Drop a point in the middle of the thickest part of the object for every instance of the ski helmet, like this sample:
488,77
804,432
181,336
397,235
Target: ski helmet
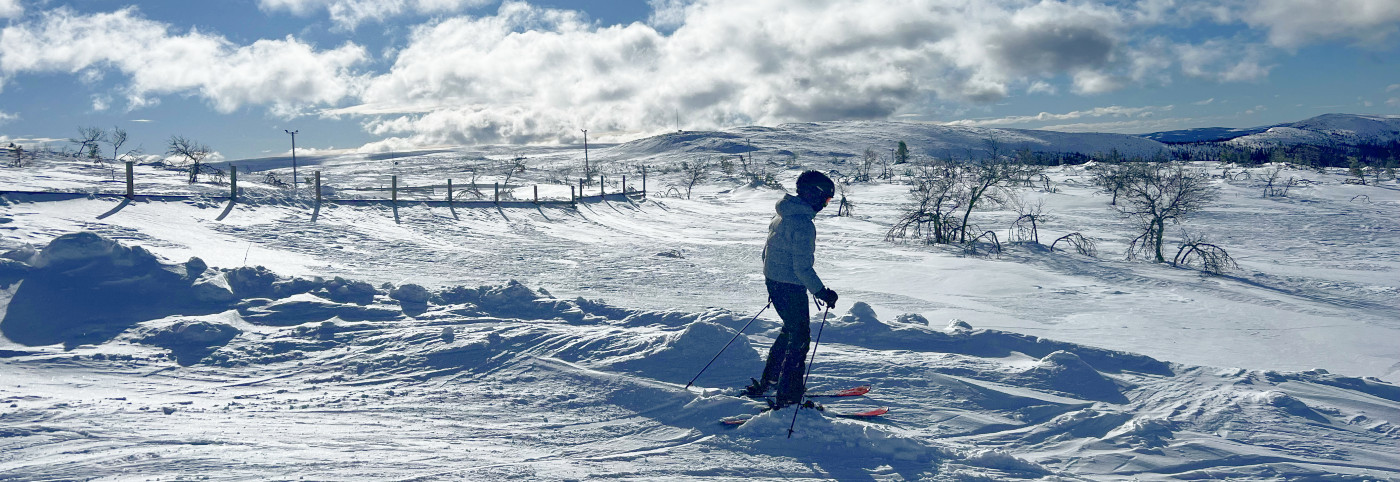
815,189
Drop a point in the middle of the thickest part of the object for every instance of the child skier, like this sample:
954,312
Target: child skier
787,265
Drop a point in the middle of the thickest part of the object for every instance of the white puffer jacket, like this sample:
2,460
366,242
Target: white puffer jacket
792,245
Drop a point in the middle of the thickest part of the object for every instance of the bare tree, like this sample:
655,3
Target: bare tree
1271,188
1112,179
116,137
1158,193
692,174
935,196
192,151
88,140
865,164
981,181
512,167
19,155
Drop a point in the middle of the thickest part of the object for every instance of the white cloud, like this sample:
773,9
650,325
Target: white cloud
1222,61
10,9
1392,88
1295,23
1044,117
1204,102
286,75
7,117
667,14
532,73
1393,102
349,14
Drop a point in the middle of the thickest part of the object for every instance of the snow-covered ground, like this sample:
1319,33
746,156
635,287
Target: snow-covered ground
554,342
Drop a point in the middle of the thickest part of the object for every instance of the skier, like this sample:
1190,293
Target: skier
787,265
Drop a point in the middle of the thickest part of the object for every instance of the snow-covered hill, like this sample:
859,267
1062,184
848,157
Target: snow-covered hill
1326,130
824,140
415,341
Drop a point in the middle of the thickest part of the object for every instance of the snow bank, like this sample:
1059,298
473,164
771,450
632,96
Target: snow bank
860,326
119,286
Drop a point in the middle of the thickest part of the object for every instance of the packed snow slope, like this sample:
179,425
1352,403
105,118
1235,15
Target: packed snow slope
272,338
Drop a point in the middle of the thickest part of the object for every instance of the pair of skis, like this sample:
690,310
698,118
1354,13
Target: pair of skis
848,392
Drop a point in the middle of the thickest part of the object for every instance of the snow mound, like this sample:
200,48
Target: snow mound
1065,372
675,357
817,434
306,307
860,326
190,341
120,286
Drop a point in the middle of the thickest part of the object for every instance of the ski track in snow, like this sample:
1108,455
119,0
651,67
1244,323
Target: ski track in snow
553,386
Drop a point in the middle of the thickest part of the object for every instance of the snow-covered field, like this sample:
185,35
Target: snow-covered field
554,342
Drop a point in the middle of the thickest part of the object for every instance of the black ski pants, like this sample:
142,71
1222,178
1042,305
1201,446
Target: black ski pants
787,359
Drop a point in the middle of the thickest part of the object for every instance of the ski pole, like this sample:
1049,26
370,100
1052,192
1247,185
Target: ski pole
726,345
807,375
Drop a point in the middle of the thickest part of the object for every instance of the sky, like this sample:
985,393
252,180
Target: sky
394,75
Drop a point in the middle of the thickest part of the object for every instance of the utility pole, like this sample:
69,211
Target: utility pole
294,156
586,173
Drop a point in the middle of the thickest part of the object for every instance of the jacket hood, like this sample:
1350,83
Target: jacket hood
795,207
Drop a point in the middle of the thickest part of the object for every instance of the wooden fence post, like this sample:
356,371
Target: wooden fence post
602,185
449,191
644,183
318,187
498,191
573,198
580,187
130,180
624,185
537,194
394,188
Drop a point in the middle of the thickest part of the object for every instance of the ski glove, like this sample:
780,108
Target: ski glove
827,296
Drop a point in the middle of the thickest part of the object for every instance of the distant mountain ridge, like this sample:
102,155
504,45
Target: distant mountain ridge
1326,129
843,139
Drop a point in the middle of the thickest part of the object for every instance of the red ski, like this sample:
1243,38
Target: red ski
740,419
846,392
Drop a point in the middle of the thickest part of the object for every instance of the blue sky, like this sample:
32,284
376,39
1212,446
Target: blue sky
380,75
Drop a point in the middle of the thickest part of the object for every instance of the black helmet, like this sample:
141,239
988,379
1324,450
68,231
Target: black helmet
815,189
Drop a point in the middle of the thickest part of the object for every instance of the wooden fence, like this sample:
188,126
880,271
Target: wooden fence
576,194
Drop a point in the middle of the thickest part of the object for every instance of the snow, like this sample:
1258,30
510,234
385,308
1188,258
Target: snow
1329,129
146,339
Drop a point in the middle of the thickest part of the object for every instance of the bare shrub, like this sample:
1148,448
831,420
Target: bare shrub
1157,193
192,151
935,196
88,140
1082,244
693,173
1205,256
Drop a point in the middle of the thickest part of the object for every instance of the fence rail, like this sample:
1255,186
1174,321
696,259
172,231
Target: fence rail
576,196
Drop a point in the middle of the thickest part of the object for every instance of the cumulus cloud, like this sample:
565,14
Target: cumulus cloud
1295,23
7,117
727,62
667,14
349,14
286,75
1223,61
10,9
